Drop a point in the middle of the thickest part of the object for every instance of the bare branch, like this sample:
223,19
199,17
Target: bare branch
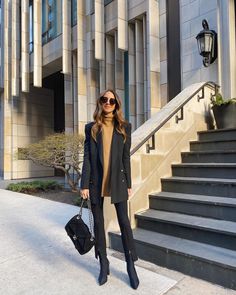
61,151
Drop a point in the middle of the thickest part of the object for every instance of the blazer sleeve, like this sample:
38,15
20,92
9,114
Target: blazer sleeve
85,177
126,156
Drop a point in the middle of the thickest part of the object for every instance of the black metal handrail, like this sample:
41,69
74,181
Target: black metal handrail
209,84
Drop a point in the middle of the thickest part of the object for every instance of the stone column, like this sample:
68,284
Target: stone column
67,66
2,48
66,37
37,43
119,72
75,91
15,47
25,45
102,75
110,62
69,112
92,79
81,66
163,52
139,61
99,29
7,49
132,76
153,57
7,104
122,26
1,86
226,48
99,37
145,83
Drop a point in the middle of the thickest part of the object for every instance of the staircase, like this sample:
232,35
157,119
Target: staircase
190,225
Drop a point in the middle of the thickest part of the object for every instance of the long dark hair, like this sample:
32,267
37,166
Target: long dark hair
98,116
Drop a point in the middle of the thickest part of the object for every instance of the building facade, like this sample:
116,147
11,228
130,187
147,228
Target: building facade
57,56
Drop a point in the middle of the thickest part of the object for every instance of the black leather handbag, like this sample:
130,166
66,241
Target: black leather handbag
78,231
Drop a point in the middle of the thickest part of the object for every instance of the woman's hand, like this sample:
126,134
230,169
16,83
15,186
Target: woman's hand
129,191
84,193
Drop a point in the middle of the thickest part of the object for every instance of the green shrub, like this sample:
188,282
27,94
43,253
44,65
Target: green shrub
59,150
34,186
219,100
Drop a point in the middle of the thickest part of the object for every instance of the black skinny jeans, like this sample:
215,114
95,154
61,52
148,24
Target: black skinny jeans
125,228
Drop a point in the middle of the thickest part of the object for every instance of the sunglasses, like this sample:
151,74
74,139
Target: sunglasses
105,99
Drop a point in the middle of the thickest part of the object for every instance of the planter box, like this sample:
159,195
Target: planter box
225,115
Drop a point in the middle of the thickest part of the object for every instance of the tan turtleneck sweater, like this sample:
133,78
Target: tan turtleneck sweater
107,131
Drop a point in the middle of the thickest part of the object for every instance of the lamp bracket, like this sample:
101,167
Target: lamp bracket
205,24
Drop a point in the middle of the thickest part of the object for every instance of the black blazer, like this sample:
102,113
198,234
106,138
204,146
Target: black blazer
92,171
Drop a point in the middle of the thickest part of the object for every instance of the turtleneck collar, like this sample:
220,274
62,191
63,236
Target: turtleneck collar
108,118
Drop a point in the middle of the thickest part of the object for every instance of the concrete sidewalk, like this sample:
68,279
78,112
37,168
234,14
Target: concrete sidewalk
37,257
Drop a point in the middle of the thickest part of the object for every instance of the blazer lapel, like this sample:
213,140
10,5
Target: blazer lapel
100,147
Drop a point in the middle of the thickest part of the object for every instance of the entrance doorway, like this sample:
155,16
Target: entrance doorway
56,83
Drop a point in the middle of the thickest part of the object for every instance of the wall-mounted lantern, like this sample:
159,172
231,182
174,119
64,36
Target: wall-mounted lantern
207,44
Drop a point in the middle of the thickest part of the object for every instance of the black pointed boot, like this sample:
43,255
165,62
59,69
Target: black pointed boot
104,269
133,277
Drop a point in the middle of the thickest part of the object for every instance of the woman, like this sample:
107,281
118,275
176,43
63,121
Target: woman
106,173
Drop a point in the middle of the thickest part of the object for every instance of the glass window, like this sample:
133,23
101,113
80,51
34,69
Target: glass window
31,27
51,19
44,18
74,12
106,2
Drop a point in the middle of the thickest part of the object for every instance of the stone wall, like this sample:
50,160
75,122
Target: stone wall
192,12
32,119
1,135
163,53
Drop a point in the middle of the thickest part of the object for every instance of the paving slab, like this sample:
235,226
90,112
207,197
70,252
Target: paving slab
37,256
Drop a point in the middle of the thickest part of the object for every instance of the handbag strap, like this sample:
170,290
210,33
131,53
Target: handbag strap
91,229
90,218
81,207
